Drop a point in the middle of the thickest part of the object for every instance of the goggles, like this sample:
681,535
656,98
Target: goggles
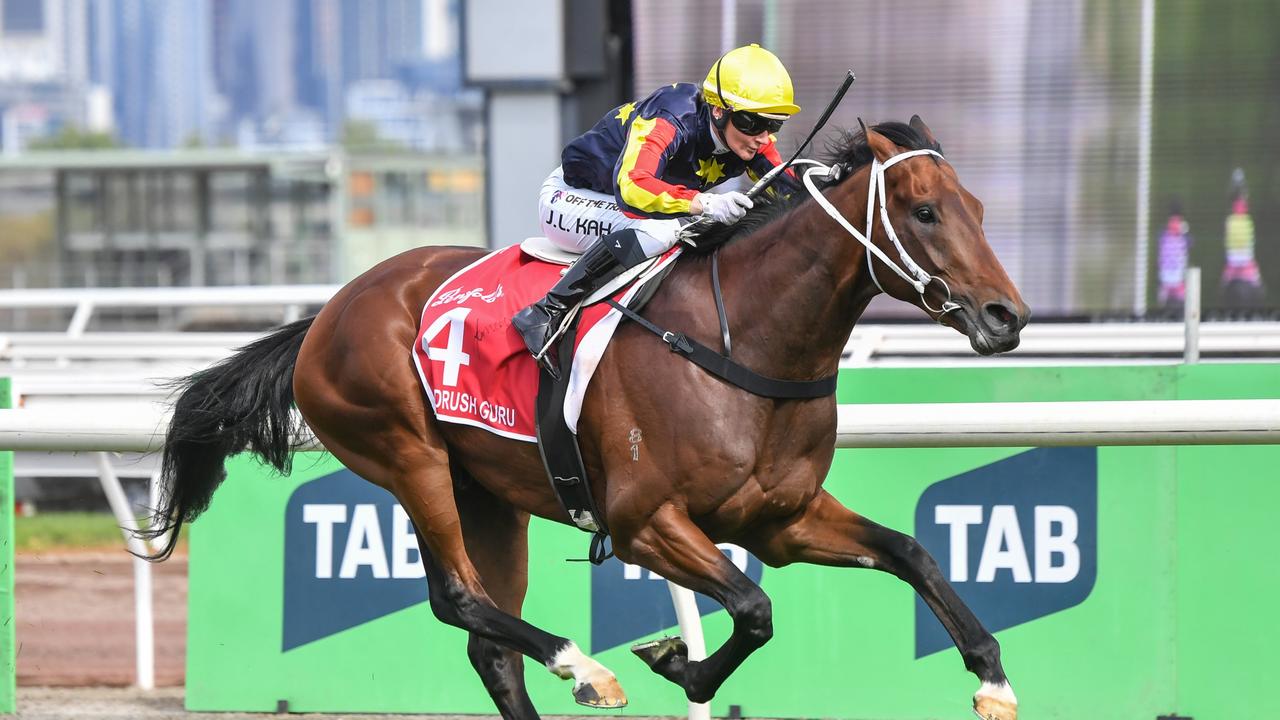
749,123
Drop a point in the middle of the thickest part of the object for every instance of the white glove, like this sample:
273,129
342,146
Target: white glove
727,208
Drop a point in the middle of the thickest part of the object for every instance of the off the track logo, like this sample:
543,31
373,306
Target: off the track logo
1016,538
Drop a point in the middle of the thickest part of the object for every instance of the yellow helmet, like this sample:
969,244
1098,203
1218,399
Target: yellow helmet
752,79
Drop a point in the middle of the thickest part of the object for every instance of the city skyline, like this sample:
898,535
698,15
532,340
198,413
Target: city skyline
156,74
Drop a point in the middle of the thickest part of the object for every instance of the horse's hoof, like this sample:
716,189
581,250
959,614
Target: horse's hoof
995,702
606,693
658,652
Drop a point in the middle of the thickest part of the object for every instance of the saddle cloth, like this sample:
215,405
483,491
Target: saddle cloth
473,364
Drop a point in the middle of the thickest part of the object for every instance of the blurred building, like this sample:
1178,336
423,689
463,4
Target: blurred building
160,109
161,74
219,217
42,64
389,64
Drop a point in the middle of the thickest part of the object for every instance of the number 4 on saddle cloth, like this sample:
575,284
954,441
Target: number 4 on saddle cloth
476,369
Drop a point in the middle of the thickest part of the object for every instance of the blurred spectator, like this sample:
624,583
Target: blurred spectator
1241,282
1174,249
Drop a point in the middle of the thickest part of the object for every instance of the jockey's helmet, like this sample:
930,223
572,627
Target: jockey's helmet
750,79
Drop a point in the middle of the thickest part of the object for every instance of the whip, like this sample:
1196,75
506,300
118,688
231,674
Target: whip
688,232
773,174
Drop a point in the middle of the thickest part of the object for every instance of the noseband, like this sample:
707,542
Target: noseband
918,278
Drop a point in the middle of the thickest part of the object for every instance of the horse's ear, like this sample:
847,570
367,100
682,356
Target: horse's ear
918,125
881,146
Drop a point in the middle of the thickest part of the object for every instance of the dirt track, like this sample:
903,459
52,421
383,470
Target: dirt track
76,644
75,636
75,619
65,703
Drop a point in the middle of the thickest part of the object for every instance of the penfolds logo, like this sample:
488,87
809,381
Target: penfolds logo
458,296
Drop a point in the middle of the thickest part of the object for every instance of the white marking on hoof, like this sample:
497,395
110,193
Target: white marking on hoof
995,701
593,684
571,662
995,691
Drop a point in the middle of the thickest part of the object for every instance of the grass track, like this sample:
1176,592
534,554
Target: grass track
70,531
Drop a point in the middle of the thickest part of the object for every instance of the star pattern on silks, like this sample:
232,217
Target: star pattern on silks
710,169
624,112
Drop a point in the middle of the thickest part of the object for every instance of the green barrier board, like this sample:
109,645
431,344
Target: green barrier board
1121,582
8,652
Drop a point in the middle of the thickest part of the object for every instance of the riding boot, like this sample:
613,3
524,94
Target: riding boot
604,260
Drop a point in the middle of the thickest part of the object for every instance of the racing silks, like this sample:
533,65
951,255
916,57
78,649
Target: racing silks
655,155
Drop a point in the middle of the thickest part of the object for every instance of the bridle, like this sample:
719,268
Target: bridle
918,278
914,274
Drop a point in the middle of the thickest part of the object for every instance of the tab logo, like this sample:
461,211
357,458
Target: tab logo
350,556
629,602
1017,538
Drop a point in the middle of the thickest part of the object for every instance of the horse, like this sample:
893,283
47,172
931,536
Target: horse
718,464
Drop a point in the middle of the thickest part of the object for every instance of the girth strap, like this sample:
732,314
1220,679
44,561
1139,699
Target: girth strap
561,457
731,372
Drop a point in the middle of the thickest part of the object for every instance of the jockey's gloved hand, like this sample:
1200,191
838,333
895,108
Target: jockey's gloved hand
727,208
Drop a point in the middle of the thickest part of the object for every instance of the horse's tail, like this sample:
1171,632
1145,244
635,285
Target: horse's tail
244,401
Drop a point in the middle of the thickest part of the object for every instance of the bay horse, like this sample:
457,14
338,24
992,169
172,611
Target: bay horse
716,463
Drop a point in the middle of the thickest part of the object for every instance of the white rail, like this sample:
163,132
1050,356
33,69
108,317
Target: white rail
868,345
1042,424
139,427
892,344
85,300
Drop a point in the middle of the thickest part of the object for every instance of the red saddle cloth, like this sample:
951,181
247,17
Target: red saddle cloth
473,364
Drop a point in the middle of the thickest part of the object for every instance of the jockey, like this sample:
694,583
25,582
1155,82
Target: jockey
624,186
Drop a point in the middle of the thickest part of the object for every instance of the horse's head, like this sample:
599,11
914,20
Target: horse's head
939,224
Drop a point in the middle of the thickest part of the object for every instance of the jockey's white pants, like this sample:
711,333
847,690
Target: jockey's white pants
574,218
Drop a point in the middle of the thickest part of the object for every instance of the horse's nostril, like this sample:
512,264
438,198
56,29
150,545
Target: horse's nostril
999,317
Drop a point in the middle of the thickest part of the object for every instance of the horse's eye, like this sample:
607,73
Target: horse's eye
925,215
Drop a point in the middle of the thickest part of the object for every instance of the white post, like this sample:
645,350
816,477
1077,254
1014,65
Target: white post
1146,90
80,318
1191,316
728,25
686,604
144,632
144,624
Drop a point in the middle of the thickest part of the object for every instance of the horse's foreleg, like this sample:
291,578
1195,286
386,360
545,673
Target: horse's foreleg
672,546
828,533
497,540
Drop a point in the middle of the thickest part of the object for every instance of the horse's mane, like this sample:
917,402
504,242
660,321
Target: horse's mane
849,150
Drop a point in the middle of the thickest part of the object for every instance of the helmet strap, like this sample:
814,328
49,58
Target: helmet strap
724,118
720,123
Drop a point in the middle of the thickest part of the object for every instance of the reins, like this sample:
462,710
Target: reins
722,364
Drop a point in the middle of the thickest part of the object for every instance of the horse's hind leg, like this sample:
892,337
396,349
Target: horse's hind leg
672,546
369,411
496,537
830,534
413,464
458,596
